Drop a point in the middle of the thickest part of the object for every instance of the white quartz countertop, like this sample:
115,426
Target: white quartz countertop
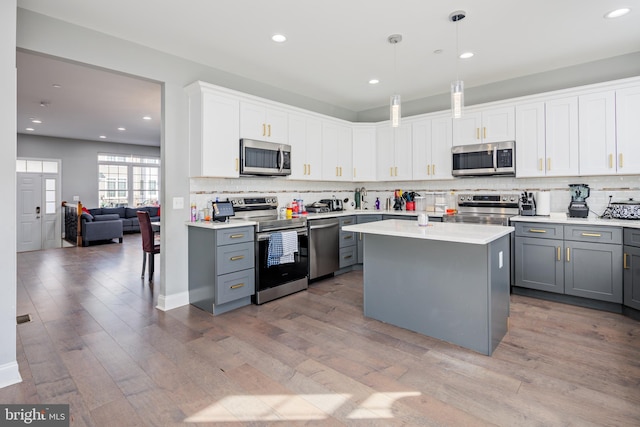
562,218
215,225
474,234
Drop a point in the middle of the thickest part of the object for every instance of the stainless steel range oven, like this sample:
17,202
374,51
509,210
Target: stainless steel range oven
274,281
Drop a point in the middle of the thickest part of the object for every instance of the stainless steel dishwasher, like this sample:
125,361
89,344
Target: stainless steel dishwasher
324,254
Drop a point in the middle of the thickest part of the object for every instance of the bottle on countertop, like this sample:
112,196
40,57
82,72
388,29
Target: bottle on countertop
377,203
194,212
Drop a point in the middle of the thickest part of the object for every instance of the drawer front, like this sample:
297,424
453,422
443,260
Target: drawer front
232,286
539,230
580,233
632,237
348,256
230,236
231,258
347,238
361,219
347,220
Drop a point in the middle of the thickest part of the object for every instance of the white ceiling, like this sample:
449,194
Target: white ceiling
335,47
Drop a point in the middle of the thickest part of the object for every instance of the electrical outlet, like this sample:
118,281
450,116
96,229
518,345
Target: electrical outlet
178,203
76,198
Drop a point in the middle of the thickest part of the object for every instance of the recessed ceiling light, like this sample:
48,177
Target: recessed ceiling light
103,137
617,13
121,129
56,85
36,121
279,38
374,81
466,55
30,129
146,118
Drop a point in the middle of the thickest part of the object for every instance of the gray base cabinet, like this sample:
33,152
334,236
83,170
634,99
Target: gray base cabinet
537,264
631,265
348,248
221,268
574,260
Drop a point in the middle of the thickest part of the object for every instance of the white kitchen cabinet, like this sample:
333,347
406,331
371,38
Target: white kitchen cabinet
393,148
484,126
364,153
213,133
597,133
431,148
305,138
337,152
561,131
530,140
628,130
263,122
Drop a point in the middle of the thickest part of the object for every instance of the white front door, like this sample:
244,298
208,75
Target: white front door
29,212
38,213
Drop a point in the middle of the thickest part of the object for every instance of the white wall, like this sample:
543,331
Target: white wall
9,373
79,161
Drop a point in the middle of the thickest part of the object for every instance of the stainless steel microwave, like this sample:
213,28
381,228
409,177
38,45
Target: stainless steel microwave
264,158
498,158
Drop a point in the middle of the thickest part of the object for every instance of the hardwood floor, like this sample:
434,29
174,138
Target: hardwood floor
97,342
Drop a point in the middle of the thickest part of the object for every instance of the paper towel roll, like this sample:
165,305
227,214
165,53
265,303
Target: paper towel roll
543,203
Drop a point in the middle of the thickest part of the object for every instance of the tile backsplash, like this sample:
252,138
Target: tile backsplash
619,187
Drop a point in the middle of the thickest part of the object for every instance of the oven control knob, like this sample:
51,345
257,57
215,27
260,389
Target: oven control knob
512,199
504,198
239,202
468,198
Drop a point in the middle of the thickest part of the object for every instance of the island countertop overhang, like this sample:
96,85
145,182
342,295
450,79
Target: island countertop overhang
475,234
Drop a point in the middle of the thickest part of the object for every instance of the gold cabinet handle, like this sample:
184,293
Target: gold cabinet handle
354,172
391,171
568,254
236,236
360,236
548,163
336,171
620,158
428,169
540,164
239,285
477,133
535,230
624,261
237,258
558,253
269,127
340,170
348,257
349,237
264,129
237,164
484,132
610,161
309,168
396,171
592,234
433,169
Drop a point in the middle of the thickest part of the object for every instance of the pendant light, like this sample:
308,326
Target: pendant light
457,86
394,103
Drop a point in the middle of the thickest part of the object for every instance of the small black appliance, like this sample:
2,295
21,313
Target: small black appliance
578,207
527,204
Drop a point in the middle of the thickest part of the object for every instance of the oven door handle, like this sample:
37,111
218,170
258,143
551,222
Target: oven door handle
280,159
265,236
495,158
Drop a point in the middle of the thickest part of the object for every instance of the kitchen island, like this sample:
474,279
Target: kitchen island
447,280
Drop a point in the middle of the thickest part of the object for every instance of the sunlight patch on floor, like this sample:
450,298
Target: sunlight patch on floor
301,407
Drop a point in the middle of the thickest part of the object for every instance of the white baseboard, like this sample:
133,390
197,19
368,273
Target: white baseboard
168,302
9,374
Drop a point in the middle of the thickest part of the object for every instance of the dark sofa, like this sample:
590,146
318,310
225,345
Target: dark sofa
111,223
